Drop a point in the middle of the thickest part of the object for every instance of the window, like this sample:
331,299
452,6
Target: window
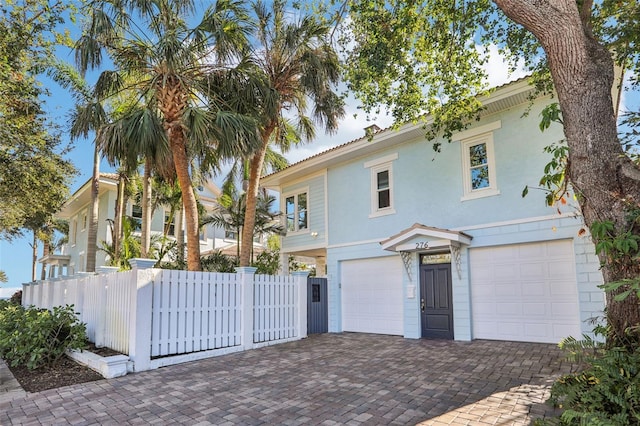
230,235
384,190
169,227
381,185
297,212
74,231
479,167
136,214
478,163
84,221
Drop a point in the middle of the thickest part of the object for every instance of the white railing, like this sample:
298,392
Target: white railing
162,317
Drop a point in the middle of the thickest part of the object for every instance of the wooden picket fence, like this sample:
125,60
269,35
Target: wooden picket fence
161,317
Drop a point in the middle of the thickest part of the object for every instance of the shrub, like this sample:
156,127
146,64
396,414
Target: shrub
605,392
38,337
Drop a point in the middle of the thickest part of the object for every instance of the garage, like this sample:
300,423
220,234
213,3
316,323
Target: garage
524,292
372,295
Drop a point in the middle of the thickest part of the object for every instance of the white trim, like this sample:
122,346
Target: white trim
356,243
381,160
492,189
468,228
289,250
305,178
476,131
452,236
326,207
516,221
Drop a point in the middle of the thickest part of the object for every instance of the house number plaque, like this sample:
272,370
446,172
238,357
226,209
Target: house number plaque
422,245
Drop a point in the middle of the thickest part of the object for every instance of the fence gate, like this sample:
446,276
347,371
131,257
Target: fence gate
317,308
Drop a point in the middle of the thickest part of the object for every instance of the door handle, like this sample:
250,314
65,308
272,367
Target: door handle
422,305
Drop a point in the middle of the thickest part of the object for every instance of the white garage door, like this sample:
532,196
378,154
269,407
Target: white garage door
524,292
372,295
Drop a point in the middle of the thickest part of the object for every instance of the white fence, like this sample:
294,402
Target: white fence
162,317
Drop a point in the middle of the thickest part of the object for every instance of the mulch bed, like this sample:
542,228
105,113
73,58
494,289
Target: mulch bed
66,372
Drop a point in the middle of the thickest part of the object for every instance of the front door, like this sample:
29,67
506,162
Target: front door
317,312
436,307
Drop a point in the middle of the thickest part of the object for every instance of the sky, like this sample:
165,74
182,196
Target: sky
15,256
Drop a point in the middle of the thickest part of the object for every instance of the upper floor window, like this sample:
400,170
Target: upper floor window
74,231
296,208
230,235
381,185
169,226
84,221
478,162
136,214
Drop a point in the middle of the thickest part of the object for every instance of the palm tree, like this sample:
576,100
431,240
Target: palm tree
170,67
298,64
231,211
89,116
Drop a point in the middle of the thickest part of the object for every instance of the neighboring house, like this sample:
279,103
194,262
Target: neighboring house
76,210
424,244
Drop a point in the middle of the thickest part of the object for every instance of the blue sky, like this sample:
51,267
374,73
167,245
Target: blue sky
15,256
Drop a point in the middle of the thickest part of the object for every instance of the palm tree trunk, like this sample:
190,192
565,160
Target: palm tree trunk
257,162
46,248
179,235
117,220
92,233
146,210
181,161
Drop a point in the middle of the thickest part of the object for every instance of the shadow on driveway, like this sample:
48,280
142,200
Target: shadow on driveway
326,379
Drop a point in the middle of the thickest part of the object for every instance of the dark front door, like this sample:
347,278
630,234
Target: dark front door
317,307
436,309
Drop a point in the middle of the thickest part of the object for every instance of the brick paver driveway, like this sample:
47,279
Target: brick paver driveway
324,379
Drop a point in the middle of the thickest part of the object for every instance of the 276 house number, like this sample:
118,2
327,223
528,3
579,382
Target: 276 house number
422,245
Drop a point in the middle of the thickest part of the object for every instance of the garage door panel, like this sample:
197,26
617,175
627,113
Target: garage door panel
372,295
535,301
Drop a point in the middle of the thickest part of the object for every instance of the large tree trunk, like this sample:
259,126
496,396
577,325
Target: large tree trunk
146,210
255,172
92,233
604,178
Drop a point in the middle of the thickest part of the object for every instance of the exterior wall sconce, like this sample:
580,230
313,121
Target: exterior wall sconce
314,234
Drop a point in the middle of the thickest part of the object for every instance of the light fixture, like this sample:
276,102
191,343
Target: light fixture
314,234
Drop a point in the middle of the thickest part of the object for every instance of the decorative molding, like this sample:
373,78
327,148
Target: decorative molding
456,257
407,259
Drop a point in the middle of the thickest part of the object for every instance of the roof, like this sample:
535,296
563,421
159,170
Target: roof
442,237
500,98
82,196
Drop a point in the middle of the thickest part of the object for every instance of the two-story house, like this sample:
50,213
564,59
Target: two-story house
424,244
76,211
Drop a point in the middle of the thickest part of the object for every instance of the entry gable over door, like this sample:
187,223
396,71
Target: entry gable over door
421,238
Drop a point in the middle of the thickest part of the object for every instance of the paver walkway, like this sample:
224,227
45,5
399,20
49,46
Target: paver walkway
325,379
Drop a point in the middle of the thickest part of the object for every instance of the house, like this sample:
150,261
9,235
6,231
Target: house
76,210
423,244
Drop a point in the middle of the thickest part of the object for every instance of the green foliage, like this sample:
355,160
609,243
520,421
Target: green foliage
3,277
34,175
219,262
606,392
129,245
612,244
38,337
268,262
